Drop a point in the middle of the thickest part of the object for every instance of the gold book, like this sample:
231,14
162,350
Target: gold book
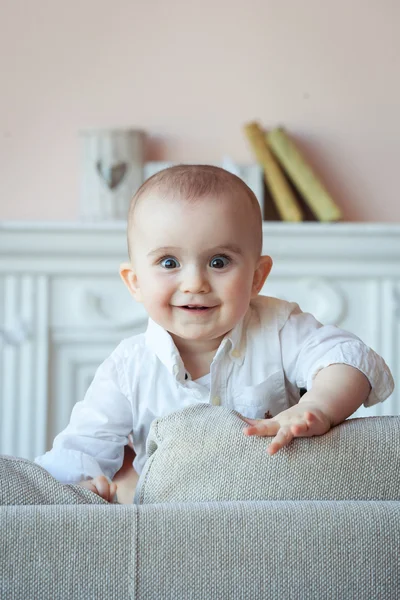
302,176
286,203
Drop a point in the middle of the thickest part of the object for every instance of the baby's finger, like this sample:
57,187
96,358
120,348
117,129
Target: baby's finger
282,438
301,429
310,417
113,491
103,487
89,486
264,427
316,425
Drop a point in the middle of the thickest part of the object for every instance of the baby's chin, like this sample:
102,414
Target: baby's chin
195,334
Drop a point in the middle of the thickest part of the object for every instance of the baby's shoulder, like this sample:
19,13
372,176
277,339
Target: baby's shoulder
268,309
130,349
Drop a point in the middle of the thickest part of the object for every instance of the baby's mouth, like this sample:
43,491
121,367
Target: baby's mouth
196,308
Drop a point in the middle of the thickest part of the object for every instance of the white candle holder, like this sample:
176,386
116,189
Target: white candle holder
112,171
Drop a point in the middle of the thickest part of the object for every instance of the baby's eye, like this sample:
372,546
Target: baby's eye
169,263
219,262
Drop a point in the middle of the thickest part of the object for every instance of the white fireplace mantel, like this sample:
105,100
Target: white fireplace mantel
63,307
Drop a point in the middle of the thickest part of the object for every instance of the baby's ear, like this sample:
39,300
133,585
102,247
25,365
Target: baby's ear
261,273
129,278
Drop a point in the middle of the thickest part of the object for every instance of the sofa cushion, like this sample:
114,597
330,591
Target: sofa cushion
200,454
24,482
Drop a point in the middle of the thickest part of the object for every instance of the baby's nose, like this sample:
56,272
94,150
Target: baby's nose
195,281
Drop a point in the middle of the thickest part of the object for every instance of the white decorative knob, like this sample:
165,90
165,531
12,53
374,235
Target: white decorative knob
97,305
327,301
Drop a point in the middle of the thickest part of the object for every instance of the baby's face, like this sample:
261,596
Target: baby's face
193,263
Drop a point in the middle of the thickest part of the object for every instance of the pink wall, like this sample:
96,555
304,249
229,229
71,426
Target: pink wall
191,73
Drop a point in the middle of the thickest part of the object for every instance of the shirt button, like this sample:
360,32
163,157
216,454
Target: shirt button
175,369
197,394
216,401
235,353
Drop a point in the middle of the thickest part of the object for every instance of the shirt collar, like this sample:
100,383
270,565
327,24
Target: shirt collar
163,346
237,340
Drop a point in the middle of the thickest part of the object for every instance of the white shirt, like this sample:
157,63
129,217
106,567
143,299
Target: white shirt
259,366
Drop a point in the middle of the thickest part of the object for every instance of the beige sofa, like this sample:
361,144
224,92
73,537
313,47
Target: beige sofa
215,517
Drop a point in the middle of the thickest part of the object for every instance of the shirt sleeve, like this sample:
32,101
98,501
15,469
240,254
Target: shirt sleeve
93,442
308,346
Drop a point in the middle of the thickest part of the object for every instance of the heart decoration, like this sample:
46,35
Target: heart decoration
113,175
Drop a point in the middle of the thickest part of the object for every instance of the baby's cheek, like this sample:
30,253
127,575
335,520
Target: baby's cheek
157,299
239,291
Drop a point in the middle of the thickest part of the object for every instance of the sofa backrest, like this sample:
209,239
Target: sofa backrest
200,454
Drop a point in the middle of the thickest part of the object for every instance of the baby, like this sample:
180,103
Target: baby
195,243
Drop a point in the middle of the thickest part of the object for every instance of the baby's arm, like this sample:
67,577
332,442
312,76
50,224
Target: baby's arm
92,445
337,392
339,371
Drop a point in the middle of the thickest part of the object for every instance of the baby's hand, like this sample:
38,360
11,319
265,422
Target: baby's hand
302,420
101,486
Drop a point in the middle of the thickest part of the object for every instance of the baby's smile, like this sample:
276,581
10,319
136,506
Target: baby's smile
196,308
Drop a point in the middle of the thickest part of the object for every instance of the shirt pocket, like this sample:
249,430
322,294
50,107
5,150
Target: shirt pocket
262,401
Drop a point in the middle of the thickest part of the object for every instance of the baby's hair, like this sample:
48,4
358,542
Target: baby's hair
191,183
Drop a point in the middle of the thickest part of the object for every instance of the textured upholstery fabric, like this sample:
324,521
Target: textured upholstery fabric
24,482
286,550
246,549
311,550
67,552
200,454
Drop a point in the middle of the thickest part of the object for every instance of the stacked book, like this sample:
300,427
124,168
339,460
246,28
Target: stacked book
292,185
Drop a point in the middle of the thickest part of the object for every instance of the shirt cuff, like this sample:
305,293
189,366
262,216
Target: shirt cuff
69,466
356,354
